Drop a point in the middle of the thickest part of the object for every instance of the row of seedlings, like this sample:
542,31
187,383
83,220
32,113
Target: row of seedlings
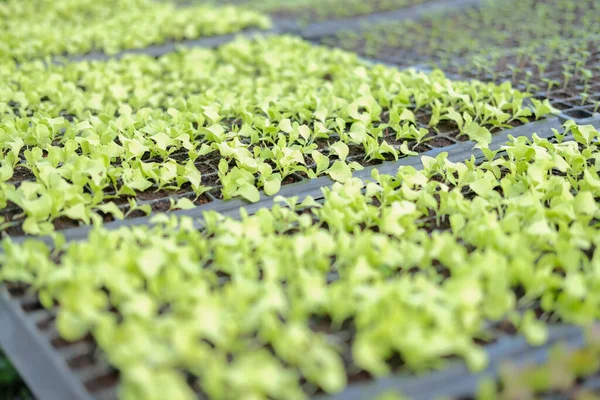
75,27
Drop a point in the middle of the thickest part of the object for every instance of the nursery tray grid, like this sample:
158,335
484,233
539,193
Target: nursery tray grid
458,149
56,369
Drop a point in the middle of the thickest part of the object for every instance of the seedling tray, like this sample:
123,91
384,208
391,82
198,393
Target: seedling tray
31,352
287,25
445,137
58,370
548,71
326,28
518,372
458,151
55,369
567,98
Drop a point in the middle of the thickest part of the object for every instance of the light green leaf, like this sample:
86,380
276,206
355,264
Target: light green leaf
249,192
78,212
321,160
340,149
184,204
272,185
340,171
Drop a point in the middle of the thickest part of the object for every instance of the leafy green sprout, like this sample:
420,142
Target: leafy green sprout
550,84
567,75
584,97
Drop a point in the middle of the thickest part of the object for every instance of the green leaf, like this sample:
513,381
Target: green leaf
341,150
585,134
70,326
453,115
285,125
272,185
535,331
321,160
304,132
111,208
249,192
340,171
542,108
404,150
485,185
151,261
407,115
184,204
212,113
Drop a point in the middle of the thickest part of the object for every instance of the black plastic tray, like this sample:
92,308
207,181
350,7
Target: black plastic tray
566,99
